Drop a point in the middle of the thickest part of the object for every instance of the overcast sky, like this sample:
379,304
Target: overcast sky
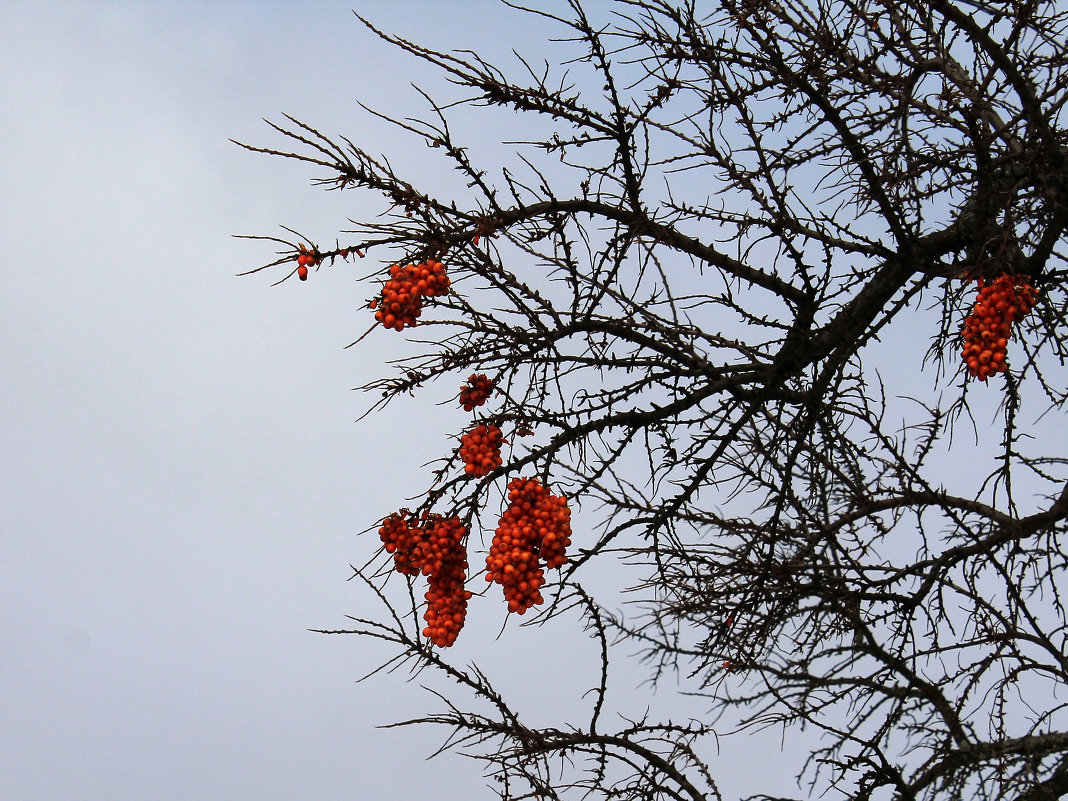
182,483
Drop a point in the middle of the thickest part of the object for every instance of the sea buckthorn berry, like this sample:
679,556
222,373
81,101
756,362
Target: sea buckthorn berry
535,527
306,257
986,332
475,392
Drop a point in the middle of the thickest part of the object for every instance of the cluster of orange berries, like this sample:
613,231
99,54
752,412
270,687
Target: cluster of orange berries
304,258
1001,303
403,294
480,449
534,529
532,535
476,391
434,546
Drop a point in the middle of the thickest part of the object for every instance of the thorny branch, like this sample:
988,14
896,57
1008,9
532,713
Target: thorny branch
684,304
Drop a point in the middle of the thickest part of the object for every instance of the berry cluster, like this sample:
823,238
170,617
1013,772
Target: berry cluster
304,258
403,293
475,392
535,528
433,546
1004,301
480,449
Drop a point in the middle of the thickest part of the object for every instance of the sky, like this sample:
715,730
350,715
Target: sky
182,480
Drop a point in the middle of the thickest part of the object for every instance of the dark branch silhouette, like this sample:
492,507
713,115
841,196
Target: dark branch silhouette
679,288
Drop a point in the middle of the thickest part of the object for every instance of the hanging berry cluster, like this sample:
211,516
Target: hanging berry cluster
480,449
535,528
402,295
532,535
1001,303
476,391
434,546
